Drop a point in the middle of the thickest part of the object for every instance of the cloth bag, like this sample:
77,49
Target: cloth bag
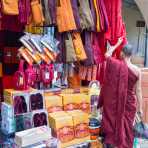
65,19
78,45
19,78
70,51
37,13
10,7
86,19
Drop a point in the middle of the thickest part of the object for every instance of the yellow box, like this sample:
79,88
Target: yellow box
53,103
62,127
81,123
10,93
70,102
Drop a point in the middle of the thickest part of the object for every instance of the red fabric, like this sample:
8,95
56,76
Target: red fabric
7,82
119,104
116,25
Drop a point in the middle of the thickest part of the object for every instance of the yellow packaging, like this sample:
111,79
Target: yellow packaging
70,102
53,103
62,126
77,90
81,123
10,93
83,101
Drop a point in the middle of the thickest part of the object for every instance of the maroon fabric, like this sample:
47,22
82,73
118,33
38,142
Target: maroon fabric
116,25
119,104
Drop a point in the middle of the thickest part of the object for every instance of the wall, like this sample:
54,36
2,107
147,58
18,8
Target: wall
130,16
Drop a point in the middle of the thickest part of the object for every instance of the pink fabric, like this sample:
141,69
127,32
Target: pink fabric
119,104
116,25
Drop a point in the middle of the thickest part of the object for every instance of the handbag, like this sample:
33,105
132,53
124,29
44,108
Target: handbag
78,46
86,19
30,76
19,78
10,7
65,19
37,13
70,51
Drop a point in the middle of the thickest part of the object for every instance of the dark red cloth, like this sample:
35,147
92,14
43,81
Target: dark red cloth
119,104
116,24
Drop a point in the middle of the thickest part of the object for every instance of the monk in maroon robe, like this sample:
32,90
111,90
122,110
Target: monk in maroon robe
120,98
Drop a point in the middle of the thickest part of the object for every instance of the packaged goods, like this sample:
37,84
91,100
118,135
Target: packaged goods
32,136
53,103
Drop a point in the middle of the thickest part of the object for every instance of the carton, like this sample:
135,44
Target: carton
70,102
53,103
145,110
10,97
62,128
81,123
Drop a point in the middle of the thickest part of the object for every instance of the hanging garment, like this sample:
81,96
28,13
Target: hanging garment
78,46
93,12
86,37
65,19
37,12
24,11
86,18
97,50
118,100
45,4
70,51
10,7
116,25
52,10
75,9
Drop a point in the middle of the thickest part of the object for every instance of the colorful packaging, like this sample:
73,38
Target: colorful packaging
36,100
53,103
23,122
62,126
32,136
70,102
8,125
39,118
18,99
7,110
81,123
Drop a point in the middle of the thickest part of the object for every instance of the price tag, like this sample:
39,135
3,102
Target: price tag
47,75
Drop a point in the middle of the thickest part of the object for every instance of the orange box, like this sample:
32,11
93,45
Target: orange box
70,102
53,103
145,110
62,128
81,123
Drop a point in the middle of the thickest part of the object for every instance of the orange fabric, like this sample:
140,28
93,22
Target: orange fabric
78,46
37,13
65,18
10,7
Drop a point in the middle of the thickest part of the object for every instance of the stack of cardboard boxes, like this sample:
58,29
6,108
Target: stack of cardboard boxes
145,93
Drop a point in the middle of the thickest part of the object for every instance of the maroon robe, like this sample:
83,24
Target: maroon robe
119,104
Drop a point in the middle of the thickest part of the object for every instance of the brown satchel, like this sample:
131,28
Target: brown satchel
10,7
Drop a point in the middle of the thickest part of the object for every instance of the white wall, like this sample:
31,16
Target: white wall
131,15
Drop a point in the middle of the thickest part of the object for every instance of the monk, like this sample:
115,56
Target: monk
120,98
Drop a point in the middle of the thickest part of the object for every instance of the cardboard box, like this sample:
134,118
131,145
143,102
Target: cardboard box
53,103
36,100
70,102
12,96
32,136
62,127
144,79
81,123
145,110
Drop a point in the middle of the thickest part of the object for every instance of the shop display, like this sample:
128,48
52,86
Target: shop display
32,136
